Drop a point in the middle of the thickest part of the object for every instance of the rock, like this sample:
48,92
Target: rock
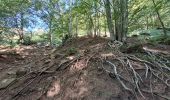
21,72
11,72
5,82
47,61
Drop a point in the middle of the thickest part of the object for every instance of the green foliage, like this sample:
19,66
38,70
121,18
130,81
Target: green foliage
167,40
160,40
83,15
27,41
11,7
72,51
39,38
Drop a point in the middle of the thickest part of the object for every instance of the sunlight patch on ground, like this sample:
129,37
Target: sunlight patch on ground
70,57
54,90
21,49
79,65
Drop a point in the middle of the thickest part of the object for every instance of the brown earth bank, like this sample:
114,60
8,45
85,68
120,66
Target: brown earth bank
84,69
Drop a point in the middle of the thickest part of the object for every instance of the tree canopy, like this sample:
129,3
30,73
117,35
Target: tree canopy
85,17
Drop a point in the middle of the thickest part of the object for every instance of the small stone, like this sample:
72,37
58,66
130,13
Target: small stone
47,61
39,89
11,72
21,72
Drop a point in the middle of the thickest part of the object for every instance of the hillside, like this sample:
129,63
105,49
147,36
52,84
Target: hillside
84,69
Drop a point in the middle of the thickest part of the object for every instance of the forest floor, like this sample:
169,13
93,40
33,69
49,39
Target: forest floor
85,69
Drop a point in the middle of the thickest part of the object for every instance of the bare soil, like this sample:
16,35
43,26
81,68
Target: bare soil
82,69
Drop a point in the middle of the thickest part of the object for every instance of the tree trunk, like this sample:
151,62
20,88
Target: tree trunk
105,27
125,22
95,20
90,26
147,23
70,26
121,19
61,20
159,17
21,30
109,19
50,30
70,20
76,26
98,25
118,15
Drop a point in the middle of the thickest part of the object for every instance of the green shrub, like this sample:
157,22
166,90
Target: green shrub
167,41
27,41
160,40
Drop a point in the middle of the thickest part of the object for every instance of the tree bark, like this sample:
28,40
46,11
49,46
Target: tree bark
121,19
90,26
50,31
76,26
70,19
21,30
109,19
125,19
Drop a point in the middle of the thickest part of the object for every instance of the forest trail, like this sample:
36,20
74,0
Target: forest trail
84,69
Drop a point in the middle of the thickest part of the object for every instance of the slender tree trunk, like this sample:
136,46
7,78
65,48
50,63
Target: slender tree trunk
61,20
122,19
125,19
147,23
105,27
76,25
50,30
151,20
31,34
95,20
70,19
70,26
159,17
90,26
98,25
21,31
95,27
18,31
51,16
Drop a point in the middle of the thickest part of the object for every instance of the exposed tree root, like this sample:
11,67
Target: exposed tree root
118,76
155,68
